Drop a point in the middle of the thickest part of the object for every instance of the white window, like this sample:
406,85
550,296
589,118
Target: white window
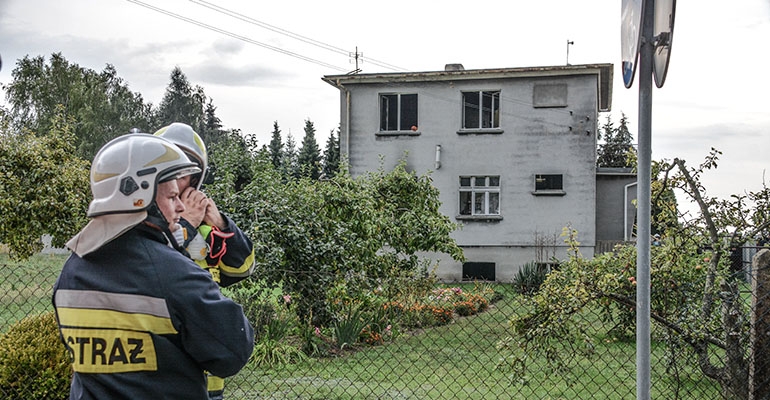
481,110
480,195
398,112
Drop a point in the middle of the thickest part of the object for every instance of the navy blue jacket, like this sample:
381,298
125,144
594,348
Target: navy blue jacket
142,321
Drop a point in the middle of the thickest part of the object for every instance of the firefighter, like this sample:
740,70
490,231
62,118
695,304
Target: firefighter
139,319
209,237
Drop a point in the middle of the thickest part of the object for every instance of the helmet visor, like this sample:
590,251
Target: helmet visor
178,173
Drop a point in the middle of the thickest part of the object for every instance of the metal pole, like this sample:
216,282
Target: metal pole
643,194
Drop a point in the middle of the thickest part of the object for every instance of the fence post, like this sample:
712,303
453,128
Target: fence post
759,364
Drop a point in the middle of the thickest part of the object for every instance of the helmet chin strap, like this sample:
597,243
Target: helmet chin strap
155,217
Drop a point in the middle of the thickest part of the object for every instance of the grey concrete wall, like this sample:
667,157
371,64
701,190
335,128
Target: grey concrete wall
615,210
559,140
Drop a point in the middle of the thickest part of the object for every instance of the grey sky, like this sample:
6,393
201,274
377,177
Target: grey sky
715,93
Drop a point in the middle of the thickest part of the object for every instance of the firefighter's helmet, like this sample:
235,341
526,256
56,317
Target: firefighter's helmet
191,143
126,171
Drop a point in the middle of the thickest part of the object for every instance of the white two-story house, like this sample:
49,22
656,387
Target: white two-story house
511,150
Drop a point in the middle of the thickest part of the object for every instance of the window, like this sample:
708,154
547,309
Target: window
473,271
549,184
398,112
481,110
479,195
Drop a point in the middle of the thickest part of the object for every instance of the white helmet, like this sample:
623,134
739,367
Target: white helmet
126,172
191,143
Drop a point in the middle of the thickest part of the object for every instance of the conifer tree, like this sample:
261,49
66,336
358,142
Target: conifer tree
276,147
331,156
309,157
617,143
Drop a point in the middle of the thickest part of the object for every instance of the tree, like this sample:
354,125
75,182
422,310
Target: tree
276,146
311,234
618,142
695,297
331,156
44,186
182,102
309,158
289,164
212,131
100,105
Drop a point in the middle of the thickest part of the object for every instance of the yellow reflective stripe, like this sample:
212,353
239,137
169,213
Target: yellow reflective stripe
110,351
243,270
129,303
87,318
214,383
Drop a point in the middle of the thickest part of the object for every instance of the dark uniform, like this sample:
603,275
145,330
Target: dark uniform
230,256
142,321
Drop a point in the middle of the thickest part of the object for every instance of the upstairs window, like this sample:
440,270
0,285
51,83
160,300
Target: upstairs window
481,110
480,195
398,112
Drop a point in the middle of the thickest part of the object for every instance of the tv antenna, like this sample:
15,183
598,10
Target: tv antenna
357,57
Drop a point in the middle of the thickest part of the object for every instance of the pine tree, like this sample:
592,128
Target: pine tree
331,156
182,102
309,158
212,131
289,166
276,147
617,143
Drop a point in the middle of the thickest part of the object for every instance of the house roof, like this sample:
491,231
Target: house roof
604,71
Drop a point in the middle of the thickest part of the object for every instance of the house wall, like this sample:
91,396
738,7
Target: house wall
615,210
556,140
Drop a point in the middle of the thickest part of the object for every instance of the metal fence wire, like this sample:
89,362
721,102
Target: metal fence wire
466,355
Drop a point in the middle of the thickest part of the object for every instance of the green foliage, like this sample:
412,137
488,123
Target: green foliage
100,104
331,156
44,187
309,157
276,147
348,326
310,234
695,298
529,278
33,362
617,151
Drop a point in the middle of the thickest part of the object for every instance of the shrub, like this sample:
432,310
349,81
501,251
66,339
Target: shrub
529,278
34,364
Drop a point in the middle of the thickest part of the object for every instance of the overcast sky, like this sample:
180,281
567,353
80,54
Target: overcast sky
264,61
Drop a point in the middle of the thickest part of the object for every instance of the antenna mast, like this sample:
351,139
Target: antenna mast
356,56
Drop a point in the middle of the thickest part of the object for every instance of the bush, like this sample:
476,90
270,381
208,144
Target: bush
529,278
34,364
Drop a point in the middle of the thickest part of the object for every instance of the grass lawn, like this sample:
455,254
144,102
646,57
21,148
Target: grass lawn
458,361
26,286
455,361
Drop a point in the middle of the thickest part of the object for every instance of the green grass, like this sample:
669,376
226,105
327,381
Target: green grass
26,286
459,361
454,361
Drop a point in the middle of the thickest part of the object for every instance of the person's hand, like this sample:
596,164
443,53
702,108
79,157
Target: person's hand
213,216
195,203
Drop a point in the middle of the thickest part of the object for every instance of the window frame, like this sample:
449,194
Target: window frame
489,115
385,104
548,185
482,194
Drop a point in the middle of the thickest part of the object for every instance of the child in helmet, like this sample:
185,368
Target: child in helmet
209,237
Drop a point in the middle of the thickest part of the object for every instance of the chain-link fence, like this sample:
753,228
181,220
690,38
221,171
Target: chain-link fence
470,355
